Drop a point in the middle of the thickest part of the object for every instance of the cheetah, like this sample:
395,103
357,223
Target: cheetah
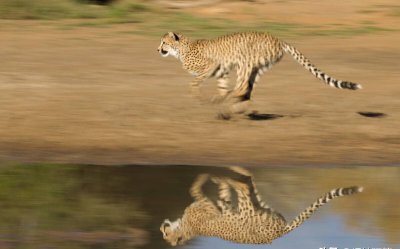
250,222
250,53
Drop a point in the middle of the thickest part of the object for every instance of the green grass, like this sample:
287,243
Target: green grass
389,10
198,27
348,31
395,11
67,9
151,20
44,9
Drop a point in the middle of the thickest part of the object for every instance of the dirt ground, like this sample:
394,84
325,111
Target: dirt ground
104,96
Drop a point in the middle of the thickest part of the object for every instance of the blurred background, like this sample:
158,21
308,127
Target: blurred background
82,82
207,18
82,85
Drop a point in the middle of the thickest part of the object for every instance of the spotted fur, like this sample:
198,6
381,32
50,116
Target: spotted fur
250,53
251,222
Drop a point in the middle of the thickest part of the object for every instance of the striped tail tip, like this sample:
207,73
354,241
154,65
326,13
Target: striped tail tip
357,86
347,85
352,190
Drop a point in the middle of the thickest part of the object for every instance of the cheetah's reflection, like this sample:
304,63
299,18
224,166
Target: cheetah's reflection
251,222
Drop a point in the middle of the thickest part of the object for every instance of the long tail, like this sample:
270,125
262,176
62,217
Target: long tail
300,58
320,202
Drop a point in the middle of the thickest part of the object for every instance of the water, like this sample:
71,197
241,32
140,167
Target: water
66,206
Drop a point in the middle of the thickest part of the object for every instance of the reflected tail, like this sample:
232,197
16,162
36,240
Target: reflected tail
320,202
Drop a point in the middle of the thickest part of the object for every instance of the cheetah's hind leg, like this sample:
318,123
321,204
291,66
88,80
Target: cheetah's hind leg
239,98
224,201
247,177
196,189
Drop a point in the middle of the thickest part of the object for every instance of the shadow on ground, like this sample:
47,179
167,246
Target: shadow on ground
373,114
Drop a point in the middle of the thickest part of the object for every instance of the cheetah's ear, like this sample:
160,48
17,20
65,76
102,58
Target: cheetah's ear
174,36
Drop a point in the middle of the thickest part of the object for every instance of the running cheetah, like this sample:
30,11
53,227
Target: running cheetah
250,53
251,222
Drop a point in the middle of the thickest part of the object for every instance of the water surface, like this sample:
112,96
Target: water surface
87,206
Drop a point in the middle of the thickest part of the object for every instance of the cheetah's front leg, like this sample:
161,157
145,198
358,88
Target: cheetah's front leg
223,88
195,86
201,75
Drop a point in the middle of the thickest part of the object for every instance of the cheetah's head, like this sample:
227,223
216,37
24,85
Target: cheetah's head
170,44
172,232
